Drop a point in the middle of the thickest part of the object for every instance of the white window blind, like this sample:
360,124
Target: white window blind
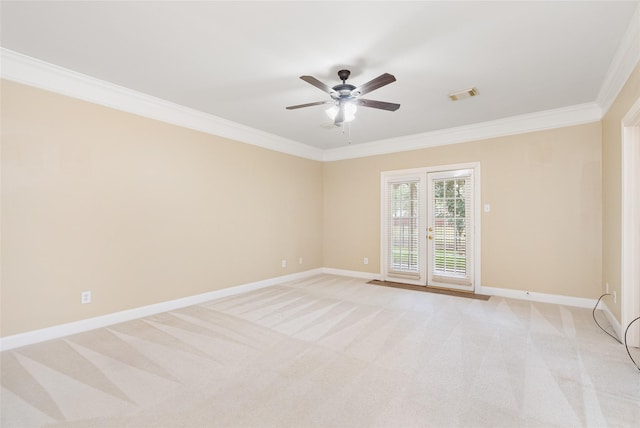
403,218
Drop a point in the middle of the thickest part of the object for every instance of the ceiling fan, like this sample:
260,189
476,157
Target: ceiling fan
345,97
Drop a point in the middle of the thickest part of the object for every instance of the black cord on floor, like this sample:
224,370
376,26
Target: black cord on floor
627,346
616,339
598,324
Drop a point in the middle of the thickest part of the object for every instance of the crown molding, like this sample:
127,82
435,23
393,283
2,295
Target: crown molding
549,119
624,62
34,72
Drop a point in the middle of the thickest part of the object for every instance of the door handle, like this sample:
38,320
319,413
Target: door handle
430,237
430,229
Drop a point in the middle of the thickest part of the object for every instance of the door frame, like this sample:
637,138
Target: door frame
422,172
630,233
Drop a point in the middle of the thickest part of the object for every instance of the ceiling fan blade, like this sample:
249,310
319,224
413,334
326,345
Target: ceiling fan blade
318,84
377,104
339,116
372,85
317,103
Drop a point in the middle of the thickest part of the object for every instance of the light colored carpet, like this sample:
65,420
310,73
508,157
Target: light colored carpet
330,351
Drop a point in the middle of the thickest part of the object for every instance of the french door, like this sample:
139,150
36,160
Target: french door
450,229
429,226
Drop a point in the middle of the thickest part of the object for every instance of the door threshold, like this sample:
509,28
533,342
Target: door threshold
435,287
435,290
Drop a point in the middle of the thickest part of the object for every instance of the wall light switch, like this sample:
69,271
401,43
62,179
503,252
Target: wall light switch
487,208
284,263
366,260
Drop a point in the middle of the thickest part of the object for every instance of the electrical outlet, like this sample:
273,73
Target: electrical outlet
300,261
607,288
366,260
85,297
284,263
615,297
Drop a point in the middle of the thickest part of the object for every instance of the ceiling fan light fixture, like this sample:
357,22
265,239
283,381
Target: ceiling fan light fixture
349,111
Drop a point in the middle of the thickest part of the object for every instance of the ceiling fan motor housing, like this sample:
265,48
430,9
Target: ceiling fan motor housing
343,90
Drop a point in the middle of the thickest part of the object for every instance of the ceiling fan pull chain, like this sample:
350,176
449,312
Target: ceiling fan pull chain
344,126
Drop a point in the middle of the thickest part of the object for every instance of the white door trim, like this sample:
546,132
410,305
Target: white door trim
630,267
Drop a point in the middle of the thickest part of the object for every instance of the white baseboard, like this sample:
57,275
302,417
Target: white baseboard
615,324
36,336
351,273
62,330
579,302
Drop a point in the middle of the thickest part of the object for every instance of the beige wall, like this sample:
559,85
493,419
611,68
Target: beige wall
612,184
138,211
543,233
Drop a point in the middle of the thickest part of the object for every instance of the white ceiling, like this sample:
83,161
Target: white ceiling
241,61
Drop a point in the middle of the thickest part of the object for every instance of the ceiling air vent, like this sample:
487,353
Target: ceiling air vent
458,95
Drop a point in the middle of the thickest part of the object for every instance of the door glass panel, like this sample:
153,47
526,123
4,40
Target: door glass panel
450,237
403,227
